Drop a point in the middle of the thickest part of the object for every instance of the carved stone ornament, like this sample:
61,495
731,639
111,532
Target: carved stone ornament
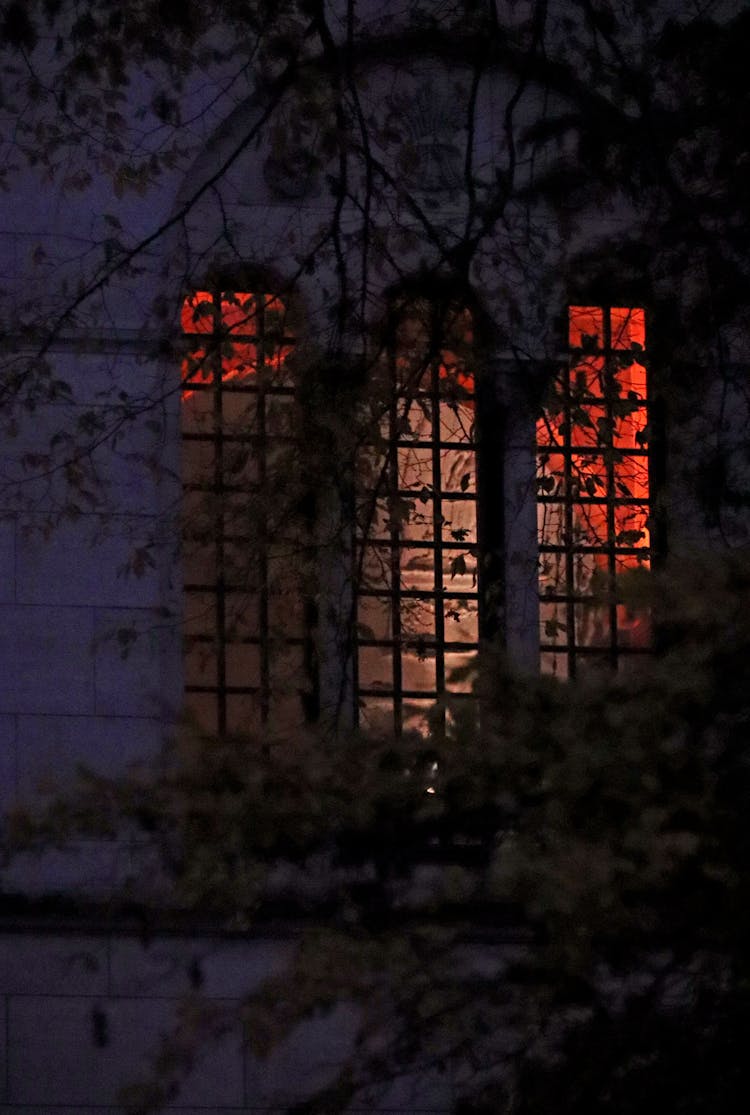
432,157
292,175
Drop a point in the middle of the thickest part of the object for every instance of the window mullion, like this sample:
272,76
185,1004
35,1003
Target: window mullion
569,524
392,482
610,371
261,524
437,529
219,526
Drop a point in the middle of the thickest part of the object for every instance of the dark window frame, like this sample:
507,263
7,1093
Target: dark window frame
433,391
486,446
612,647
218,638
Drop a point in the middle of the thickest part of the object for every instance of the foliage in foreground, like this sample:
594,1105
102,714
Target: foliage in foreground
600,825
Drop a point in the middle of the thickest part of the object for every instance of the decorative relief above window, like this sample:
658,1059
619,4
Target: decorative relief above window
292,175
433,132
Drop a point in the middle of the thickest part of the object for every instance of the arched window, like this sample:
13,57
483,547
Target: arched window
416,554
429,571
594,493
247,654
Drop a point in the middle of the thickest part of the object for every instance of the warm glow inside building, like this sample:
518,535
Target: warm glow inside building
230,490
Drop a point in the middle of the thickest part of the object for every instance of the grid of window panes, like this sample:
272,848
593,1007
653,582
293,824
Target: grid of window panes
416,565
593,495
245,645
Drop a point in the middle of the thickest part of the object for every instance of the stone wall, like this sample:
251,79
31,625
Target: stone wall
82,1013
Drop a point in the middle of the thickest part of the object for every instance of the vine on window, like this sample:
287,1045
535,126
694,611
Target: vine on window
593,493
416,555
247,646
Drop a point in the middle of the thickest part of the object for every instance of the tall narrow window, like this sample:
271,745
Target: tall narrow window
416,575
246,651
593,493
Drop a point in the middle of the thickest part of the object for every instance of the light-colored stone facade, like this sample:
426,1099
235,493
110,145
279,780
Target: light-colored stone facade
91,668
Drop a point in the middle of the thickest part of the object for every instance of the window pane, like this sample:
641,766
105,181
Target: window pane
459,671
461,621
553,626
200,613
242,665
417,618
241,616
239,312
415,468
198,313
456,422
375,668
197,412
458,470
200,663
586,327
418,715
459,520
376,715
555,665
628,326
374,617
418,671
417,568
243,713
587,378
374,566
199,563
592,624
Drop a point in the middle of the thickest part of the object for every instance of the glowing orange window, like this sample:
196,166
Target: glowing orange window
593,492
238,331
416,553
